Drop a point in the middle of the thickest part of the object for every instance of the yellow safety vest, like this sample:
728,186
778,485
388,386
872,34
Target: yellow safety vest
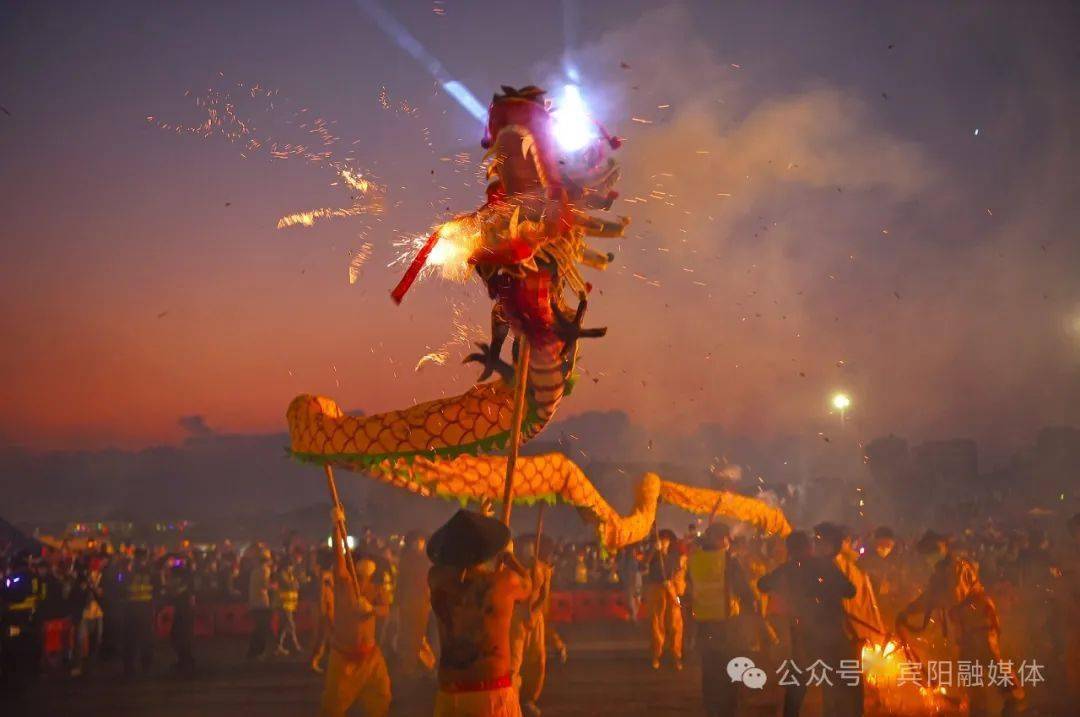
140,589
30,602
289,599
712,598
581,574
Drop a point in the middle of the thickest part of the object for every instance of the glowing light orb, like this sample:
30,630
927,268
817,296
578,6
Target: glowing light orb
841,402
350,541
574,128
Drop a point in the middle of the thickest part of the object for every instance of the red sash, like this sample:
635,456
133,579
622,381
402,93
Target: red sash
496,683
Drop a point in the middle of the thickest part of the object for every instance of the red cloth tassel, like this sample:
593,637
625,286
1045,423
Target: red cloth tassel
613,141
414,269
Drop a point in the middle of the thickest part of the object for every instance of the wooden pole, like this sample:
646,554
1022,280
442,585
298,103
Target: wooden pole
716,507
659,553
539,534
521,377
520,385
340,529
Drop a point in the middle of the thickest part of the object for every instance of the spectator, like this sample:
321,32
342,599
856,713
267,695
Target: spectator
288,598
259,605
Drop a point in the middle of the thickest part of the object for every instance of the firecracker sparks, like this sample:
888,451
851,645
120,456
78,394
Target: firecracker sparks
462,335
457,240
367,200
230,114
357,262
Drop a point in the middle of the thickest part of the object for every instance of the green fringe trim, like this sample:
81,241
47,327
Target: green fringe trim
367,460
568,384
528,500
495,442
373,461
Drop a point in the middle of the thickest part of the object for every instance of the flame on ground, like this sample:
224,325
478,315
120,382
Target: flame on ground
882,666
881,663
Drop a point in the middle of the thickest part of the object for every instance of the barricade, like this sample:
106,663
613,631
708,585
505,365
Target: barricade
163,621
57,637
233,620
562,607
616,606
588,605
307,616
204,621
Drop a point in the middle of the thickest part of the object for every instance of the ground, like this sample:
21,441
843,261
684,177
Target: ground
607,673
607,667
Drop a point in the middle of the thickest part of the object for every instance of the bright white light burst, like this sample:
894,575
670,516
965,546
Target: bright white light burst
841,401
574,129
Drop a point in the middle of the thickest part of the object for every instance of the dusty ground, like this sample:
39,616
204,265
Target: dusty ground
607,673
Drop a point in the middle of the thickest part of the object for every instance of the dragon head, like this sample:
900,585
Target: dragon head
520,136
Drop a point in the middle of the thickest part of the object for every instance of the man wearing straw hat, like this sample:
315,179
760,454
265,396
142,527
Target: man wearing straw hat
475,582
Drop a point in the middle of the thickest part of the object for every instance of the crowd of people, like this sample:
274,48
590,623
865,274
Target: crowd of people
1000,601
989,595
110,593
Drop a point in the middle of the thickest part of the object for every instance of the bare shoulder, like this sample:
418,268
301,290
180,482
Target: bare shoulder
442,578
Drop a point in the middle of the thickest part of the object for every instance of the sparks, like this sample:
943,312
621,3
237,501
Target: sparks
457,240
357,262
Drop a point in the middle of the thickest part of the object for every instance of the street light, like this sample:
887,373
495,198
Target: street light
841,402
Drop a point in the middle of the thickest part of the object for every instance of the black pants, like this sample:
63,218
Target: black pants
137,640
719,694
182,637
840,699
20,651
261,636
112,629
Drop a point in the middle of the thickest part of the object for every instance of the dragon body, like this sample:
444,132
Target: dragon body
436,449
527,243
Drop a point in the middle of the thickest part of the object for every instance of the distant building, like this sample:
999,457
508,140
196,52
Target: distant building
950,464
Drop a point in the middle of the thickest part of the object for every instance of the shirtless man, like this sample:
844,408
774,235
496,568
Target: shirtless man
475,582
413,605
356,670
528,649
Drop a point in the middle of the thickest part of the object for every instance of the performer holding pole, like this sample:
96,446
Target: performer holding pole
665,581
340,531
475,581
356,669
532,649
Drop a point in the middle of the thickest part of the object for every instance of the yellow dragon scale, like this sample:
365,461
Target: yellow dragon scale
482,415
430,449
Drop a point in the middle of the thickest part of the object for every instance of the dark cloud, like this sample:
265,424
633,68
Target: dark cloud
195,426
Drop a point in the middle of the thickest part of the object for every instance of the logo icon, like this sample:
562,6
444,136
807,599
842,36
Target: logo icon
754,678
742,669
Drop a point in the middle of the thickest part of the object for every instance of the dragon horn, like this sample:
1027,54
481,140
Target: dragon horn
514,222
